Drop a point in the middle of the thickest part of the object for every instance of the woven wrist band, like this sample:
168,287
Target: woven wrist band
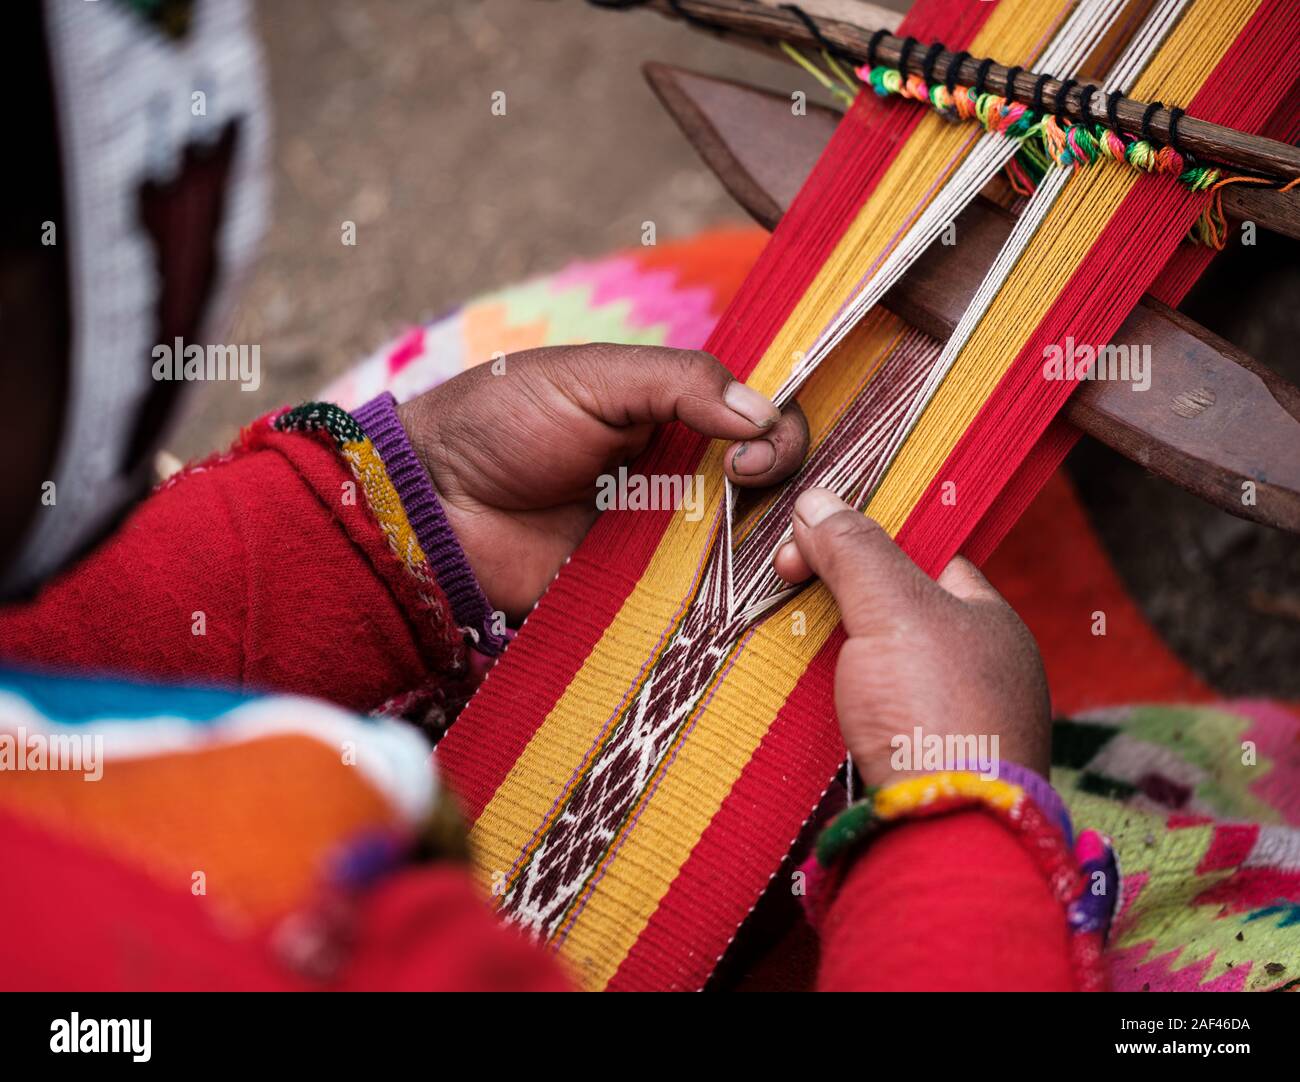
378,420
1084,880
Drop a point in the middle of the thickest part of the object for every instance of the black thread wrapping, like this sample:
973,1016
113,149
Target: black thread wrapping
1010,91
954,73
905,54
1147,114
1040,106
1085,104
954,70
815,31
1061,95
927,65
1112,109
872,59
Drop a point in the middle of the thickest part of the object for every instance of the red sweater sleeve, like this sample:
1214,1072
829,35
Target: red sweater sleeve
431,929
264,569
951,903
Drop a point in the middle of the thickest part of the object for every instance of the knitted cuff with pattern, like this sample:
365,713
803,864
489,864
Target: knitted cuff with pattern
378,420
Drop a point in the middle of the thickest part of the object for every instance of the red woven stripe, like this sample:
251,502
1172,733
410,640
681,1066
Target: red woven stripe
486,740
1031,475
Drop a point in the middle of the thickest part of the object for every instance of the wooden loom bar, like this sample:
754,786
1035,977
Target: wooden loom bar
1213,142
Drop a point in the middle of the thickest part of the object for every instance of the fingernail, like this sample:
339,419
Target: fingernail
816,504
786,552
753,457
750,404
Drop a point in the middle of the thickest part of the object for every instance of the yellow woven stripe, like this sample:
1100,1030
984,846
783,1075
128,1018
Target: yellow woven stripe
1062,241
386,504
563,740
1015,32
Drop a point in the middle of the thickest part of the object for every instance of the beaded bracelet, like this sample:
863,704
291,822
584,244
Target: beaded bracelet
1074,876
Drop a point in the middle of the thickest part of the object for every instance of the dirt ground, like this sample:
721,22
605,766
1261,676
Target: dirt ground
383,117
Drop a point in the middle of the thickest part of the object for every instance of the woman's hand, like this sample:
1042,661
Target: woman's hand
950,657
515,448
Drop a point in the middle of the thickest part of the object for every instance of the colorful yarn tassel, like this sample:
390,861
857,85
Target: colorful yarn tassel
1044,138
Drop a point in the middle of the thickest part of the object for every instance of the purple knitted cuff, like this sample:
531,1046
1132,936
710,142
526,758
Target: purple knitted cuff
1041,793
378,420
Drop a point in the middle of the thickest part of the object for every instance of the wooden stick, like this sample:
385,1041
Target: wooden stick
1213,142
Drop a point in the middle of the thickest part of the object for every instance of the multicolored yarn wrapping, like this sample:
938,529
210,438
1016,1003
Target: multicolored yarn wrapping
1045,137
1084,880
